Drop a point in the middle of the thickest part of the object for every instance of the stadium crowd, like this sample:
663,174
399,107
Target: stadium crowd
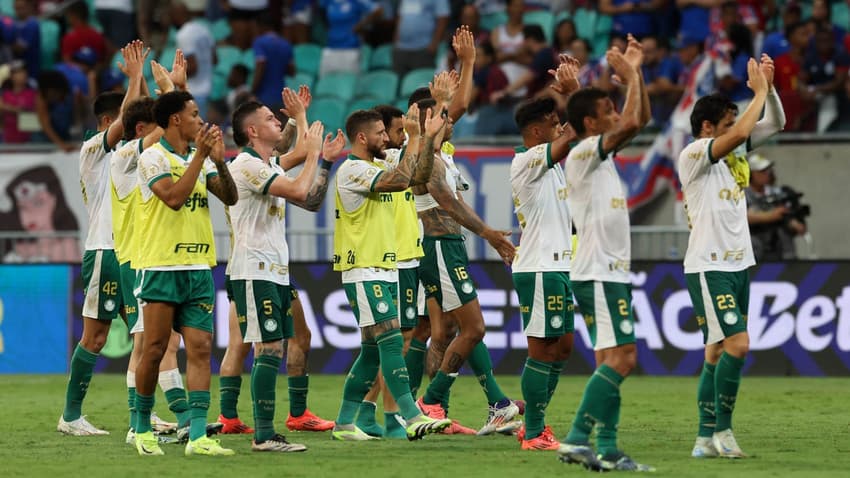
55,62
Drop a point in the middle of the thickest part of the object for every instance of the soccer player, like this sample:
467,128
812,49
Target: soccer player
100,271
600,267
713,171
365,253
174,284
541,268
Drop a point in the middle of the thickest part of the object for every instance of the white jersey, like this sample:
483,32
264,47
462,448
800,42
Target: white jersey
259,250
716,207
539,191
597,202
454,179
123,167
94,184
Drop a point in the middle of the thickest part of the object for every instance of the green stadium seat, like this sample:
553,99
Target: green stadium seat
166,58
365,103
490,21
299,79
602,35
227,56
381,84
49,34
365,57
415,79
544,18
382,58
585,21
7,8
840,14
401,104
220,29
338,84
330,111
307,58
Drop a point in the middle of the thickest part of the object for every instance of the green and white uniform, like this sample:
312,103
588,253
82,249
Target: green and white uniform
601,264
541,268
719,247
365,248
100,271
124,188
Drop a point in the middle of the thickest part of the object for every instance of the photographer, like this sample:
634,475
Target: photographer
774,213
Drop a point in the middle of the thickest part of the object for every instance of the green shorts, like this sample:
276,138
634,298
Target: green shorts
443,271
131,305
192,291
228,287
408,293
263,309
728,293
372,302
545,302
102,285
607,311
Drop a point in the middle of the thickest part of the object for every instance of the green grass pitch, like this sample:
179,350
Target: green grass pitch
792,426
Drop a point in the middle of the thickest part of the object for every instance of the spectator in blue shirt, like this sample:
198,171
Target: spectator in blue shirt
775,44
660,74
23,36
734,85
421,26
273,61
696,16
347,19
77,72
631,16
825,68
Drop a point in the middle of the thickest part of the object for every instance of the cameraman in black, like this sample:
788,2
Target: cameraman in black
774,213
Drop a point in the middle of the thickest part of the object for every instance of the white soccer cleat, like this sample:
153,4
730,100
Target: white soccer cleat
161,426
498,415
726,445
79,427
131,437
277,443
704,448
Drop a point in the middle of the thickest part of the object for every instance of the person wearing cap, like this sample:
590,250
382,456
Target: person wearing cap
772,228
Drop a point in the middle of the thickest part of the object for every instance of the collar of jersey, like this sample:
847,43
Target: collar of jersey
165,144
252,152
520,149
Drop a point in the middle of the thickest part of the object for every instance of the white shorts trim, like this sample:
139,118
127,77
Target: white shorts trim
91,305
364,308
712,322
605,336
252,329
451,301
537,321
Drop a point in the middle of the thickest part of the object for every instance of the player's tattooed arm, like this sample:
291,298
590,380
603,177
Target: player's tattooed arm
222,185
438,221
316,194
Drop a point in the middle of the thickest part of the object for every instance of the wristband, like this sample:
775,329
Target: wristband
292,122
325,164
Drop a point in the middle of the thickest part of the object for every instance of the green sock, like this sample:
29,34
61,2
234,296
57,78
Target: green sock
415,362
366,413
358,382
534,383
554,376
598,405
131,405
727,379
230,388
393,428
82,365
199,404
482,366
606,438
438,390
144,405
176,398
390,345
298,387
705,401
263,381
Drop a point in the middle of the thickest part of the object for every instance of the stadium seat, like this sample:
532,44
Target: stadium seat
307,58
7,8
330,111
602,34
220,29
840,14
166,58
543,18
340,85
401,104
299,79
490,21
415,79
382,58
365,57
365,103
227,56
381,84
561,16
49,33
585,21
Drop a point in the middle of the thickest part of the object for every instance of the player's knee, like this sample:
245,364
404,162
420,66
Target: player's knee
154,351
303,340
473,332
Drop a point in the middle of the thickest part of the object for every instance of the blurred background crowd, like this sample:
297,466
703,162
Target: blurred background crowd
56,56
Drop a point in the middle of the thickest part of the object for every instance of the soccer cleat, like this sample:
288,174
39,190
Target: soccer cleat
726,446
434,411
423,425
545,441
509,428
147,444
704,448
457,429
621,462
207,446
581,453
79,427
161,426
350,432
308,422
212,429
130,439
499,414
277,443
234,426
520,433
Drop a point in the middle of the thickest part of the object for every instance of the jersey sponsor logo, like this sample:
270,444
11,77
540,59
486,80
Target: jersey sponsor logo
733,255
562,194
389,257
734,195
386,197
195,201
278,212
730,318
626,327
583,155
618,203
408,195
620,265
192,247
556,321
208,308
270,325
535,163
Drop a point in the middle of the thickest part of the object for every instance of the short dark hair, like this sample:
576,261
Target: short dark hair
790,29
388,113
586,43
488,49
424,104
582,104
243,111
534,32
139,111
168,104
79,9
241,69
711,108
108,103
357,121
419,94
533,111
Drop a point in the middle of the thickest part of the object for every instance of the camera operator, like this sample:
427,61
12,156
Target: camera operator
774,213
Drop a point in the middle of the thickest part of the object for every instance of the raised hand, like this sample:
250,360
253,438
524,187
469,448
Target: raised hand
313,137
216,145
444,86
463,44
756,79
634,52
411,120
293,105
566,76
332,147
162,78
134,56
617,61
767,67
435,123
306,97
203,144
178,70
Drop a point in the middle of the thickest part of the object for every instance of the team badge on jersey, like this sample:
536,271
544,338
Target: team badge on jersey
466,288
382,307
730,318
109,305
270,325
626,327
410,313
556,321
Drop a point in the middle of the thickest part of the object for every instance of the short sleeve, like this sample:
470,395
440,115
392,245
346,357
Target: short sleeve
531,165
259,50
695,160
210,169
359,177
255,176
153,167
